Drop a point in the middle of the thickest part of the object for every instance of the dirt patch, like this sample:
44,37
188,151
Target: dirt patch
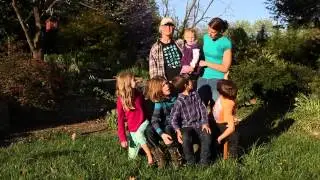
73,130
82,128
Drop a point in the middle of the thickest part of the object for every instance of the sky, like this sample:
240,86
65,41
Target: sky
230,10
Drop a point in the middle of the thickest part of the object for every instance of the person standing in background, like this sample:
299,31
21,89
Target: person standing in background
165,54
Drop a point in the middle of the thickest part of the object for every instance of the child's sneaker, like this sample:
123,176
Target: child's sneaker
158,157
176,157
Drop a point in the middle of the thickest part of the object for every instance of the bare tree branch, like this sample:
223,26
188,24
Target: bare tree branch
225,9
166,7
196,13
204,13
51,4
91,7
24,28
188,13
36,39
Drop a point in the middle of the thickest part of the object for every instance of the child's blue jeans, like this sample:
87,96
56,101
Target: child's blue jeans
188,136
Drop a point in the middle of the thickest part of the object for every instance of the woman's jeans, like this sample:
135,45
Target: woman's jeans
207,89
189,134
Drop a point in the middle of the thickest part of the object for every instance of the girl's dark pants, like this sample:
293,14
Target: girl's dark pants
233,139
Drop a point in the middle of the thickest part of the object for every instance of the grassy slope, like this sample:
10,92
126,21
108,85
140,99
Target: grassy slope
289,156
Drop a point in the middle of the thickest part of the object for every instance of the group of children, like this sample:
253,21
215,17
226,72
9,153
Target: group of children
179,117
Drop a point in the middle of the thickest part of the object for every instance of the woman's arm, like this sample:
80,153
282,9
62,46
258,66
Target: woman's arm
226,62
229,118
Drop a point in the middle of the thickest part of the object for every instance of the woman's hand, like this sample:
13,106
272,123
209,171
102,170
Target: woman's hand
202,63
124,144
167,139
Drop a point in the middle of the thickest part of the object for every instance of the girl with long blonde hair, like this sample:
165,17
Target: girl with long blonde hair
130,109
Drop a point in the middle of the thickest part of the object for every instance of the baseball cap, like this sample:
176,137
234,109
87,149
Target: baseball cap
167,21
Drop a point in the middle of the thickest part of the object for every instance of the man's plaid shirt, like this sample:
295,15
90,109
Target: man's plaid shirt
189,111
156,60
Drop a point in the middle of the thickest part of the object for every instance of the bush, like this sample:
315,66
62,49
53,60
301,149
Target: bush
31,82
111,119
267,76
307,114
299,46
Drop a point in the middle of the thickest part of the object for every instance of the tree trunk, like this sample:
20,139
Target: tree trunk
24,28
37,52
34,44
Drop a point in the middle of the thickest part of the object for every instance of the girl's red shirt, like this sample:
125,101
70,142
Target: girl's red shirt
134,118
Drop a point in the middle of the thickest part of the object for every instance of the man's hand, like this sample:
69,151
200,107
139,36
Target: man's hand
167,139
202,63
124,144
206,128
179,136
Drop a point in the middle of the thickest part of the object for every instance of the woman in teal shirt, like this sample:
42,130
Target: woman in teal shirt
218,57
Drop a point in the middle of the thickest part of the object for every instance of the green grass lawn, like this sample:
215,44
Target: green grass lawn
292,155
279,153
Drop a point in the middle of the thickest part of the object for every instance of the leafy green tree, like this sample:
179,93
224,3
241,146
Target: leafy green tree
253,28
297,12
245,25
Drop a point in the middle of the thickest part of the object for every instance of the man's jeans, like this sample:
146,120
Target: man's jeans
188,136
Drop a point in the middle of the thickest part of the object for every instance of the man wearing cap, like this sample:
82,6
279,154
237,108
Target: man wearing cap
165,54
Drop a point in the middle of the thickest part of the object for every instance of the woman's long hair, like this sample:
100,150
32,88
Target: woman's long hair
124,90
154,89
218,24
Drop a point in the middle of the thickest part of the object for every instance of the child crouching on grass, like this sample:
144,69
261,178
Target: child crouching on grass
190,120
224,115
130,109
160,92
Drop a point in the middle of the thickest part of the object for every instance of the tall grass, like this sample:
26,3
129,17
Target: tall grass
307,114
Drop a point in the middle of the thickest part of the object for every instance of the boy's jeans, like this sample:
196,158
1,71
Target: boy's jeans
188,134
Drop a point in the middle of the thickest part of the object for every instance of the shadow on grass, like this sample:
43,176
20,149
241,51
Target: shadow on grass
72,110
263,124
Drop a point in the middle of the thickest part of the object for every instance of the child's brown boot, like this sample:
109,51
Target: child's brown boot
158,157
176,157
